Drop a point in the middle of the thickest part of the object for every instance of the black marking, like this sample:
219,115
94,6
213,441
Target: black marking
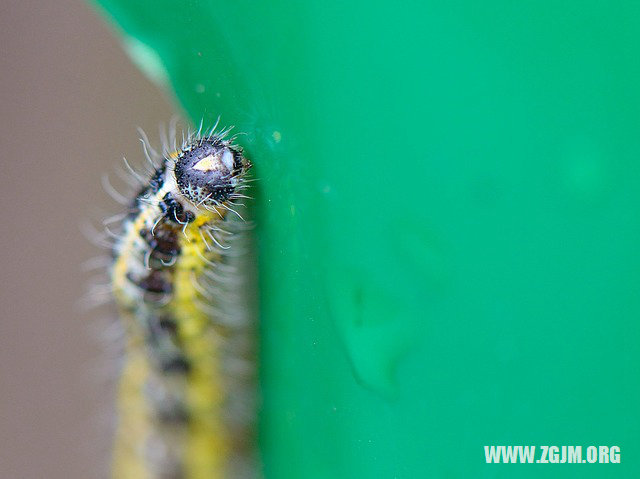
173,211
168,325
163,243
175,364
163,346
169,407
154,185
173,414
156,282
166,244
157,180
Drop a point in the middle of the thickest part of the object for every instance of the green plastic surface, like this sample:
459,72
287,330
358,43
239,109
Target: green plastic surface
447,222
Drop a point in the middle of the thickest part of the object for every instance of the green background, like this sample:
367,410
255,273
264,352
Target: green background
447,222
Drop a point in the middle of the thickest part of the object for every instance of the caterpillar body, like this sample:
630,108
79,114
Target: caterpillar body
184,400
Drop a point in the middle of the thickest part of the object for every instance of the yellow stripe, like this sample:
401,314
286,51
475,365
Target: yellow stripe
134,423
207,448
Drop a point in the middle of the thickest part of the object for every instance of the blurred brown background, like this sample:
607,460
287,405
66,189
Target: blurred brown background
69,104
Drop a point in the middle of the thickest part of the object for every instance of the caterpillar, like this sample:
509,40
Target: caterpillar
186,388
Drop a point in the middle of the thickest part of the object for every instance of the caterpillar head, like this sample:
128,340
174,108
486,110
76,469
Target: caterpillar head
209,171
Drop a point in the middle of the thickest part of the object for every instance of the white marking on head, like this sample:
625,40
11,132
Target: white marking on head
208,163
216,162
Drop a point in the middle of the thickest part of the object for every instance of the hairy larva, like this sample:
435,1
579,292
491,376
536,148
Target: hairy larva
186,391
